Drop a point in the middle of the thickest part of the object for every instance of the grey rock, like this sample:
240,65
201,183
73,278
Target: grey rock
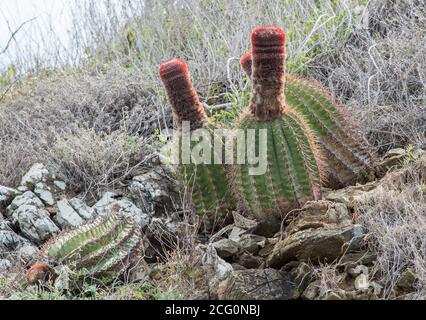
37,173
252,243
242,222
312,291
226,248
5,265
362,283
360,269
407,280
82,209
236,233
249,261
216,269
6,196
35,223
268,284
111,202
28,199
316,245
27,251
43,192
156,192
60,185
67,217
10,241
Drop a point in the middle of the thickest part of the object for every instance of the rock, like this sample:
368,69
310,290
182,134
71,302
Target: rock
162,235
268,284
319,214
10,241
67,217
226,248
81,208
312,291
249,261
37,173
43,192
156,192
27,252
302,276
361,282
216,269
316,245
252,243
350,194
406,281
112,202
60,185
28,199
236,233
6,196
35,223
243,222
360,269
266,228
356,258
5,265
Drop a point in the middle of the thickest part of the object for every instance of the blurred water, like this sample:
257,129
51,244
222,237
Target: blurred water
48,31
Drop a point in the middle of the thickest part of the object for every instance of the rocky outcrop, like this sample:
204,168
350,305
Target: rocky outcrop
266,284
321,232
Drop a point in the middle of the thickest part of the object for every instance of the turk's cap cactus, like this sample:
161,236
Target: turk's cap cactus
268,73
183,98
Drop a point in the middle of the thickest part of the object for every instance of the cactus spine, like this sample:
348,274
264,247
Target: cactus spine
103,249
293,174
347,154
206,182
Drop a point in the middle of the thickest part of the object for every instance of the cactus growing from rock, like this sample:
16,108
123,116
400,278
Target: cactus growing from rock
347,154
102,249
294,169
206,182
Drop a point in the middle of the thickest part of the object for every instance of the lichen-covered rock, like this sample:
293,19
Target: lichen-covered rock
112,202
226,248
6,196
82,208
44,193
316,245
156,192
67,217
320,231
34,223
37,173
28,199
267,284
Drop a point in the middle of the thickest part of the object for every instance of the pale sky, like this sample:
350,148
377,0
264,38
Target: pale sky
49,14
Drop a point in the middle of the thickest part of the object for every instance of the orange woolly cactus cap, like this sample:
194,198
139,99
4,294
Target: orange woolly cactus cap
184,100
246,62
38,273
268,72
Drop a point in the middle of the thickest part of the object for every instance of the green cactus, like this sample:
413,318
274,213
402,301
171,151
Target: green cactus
294,168
206,182
349,158
102,249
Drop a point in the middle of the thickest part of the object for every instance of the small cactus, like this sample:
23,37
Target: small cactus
102,249
206,182
347,154
293,174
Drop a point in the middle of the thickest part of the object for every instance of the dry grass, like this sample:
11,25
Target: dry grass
395,217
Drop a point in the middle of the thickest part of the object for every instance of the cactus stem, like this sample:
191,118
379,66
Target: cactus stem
268,53
182,96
